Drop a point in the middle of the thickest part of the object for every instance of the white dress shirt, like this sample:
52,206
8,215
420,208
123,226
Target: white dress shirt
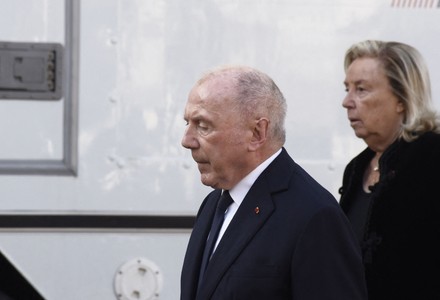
239,191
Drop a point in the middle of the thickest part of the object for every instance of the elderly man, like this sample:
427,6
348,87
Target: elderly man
268,230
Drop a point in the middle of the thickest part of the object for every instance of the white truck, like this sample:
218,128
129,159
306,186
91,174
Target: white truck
97,196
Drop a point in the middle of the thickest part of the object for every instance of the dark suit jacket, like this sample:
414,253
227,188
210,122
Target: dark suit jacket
298,246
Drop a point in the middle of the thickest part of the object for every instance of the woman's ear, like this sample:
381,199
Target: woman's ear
400,107
259,133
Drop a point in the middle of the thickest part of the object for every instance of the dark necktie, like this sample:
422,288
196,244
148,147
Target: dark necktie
223,204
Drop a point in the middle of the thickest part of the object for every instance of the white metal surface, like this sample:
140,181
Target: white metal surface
138,61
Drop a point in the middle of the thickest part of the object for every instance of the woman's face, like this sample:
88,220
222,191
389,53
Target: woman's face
375,113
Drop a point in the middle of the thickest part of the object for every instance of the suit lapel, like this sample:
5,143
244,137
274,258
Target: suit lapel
254,211
197,242
240,232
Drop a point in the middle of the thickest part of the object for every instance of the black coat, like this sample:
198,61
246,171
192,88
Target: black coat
401,244
298,245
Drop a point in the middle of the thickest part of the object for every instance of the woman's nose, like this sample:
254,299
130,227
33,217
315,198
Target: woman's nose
347,102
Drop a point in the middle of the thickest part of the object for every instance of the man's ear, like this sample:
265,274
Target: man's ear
259,133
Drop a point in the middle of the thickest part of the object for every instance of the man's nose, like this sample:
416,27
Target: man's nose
189,141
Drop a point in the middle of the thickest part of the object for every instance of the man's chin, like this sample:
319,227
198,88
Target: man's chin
360,134
206,180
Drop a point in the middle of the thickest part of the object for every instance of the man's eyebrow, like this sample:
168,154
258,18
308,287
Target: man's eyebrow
195,116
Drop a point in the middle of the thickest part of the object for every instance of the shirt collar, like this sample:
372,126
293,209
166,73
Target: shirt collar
239,191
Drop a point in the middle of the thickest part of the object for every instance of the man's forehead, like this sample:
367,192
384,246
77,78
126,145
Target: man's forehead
203,91
205,104
214,88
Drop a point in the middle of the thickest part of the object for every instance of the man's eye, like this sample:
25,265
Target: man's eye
203,129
